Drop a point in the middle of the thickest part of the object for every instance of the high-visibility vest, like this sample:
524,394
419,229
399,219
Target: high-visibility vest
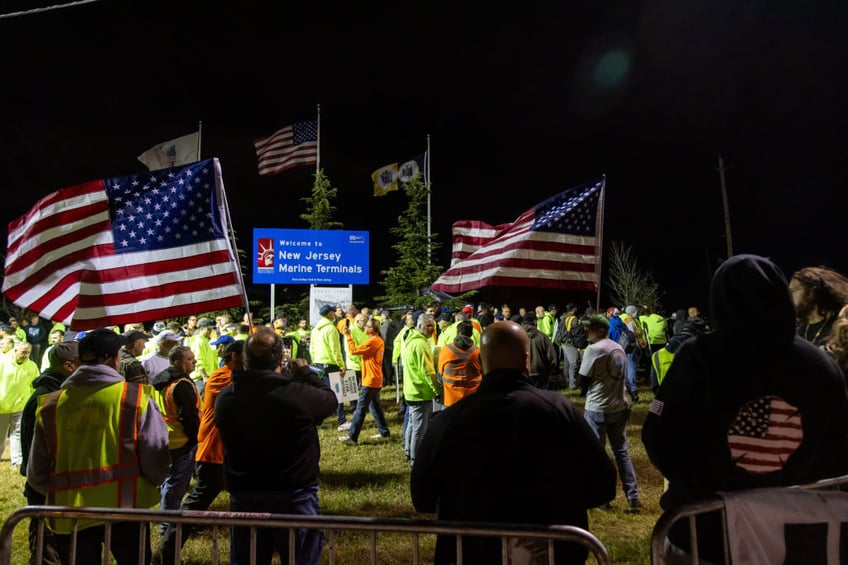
91,435
461,372
165,400
661,360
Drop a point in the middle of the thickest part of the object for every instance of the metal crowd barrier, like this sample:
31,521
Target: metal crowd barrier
691,511
332,526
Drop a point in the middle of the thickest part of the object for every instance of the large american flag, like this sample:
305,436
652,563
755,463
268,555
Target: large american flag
126,249
764,434
556,244
289,147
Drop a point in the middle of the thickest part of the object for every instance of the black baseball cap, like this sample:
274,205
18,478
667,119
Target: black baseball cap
99,345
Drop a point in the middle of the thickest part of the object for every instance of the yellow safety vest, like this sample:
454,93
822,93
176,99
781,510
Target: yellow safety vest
661,360
91,435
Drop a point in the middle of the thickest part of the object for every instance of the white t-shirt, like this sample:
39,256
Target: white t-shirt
154,364
605,363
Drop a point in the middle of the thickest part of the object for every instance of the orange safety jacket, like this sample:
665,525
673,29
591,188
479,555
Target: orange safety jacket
88,470
461,372
209,446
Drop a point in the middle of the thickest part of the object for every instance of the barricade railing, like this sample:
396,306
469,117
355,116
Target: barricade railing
691,511
332,526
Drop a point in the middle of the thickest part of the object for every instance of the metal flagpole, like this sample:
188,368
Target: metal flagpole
729,237
599,246
199,135
427,183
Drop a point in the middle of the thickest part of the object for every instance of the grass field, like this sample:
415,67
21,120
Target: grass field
372,479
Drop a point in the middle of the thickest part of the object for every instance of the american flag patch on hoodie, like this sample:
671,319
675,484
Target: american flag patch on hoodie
656,407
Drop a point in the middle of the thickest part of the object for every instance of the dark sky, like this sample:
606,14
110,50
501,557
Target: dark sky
520,103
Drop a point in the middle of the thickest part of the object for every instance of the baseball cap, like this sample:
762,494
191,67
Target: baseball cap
205,323
326,309
613,311
468,309
158,328
168,335
552,307
596,321
225,339
100,344
134,335
236,346
63,351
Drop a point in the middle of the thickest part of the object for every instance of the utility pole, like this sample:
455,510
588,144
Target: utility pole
727,234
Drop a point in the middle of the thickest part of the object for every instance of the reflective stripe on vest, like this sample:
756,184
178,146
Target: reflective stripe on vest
456,370
92,433
125,471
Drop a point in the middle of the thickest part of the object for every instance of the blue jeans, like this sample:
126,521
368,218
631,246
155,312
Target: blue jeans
419,412
176,483
632,364
614,426
308,542
369,398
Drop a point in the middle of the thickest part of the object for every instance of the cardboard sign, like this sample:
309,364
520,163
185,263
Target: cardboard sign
345,386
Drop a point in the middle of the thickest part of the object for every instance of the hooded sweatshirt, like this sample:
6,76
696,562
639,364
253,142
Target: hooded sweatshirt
697,432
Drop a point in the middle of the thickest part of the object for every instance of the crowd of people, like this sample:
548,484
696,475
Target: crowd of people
128,417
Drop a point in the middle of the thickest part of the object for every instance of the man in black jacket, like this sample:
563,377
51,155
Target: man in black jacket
64,360
749,405
536,461
267,423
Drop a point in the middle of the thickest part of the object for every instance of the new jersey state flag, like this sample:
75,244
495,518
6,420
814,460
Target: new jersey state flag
126,249
386,179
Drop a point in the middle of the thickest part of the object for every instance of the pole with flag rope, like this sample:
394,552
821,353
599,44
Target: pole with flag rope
199,136
599,241
427,184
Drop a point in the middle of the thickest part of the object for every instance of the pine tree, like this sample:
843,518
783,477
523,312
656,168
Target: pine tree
414,269
319,208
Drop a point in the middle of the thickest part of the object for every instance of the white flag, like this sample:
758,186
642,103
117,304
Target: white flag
173,153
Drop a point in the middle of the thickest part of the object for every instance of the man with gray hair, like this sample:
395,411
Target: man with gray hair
420,385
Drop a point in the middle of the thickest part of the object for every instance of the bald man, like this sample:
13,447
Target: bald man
510,453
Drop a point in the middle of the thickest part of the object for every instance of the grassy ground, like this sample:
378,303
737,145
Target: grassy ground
372,479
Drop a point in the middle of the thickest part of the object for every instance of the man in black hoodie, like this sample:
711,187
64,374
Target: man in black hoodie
267,423
64,360
724,384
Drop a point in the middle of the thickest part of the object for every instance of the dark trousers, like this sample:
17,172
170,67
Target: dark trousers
308,542
125,544
207,486
49,555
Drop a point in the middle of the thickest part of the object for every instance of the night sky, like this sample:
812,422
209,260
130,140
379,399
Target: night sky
520,103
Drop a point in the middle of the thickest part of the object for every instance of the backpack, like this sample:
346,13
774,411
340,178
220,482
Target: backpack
561,334
627,339
576,334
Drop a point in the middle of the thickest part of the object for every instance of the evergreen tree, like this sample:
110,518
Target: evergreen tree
319,208
415,269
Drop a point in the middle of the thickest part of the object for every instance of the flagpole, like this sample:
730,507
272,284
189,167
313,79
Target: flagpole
234,249
724,202
318,158
428,184
199,135
600,241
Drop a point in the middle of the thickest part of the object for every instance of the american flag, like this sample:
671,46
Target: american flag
289,147
764,434
555,244
126,249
